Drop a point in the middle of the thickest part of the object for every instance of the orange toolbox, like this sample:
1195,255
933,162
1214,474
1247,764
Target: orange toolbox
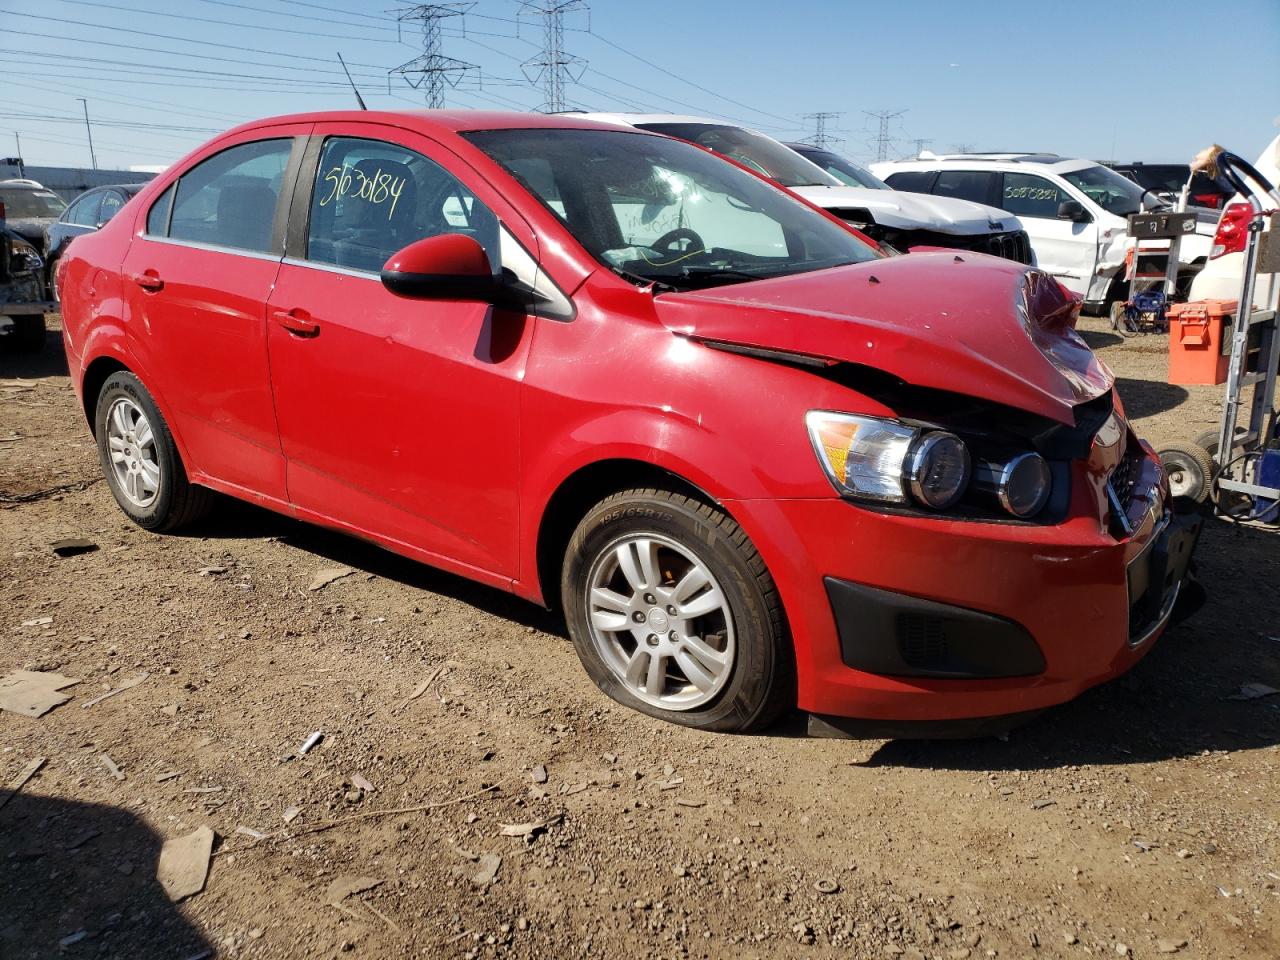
1200,341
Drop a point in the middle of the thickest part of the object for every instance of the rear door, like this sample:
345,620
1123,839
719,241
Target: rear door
1064,248
398,417
197,277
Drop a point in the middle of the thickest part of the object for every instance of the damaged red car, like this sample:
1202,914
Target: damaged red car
758,464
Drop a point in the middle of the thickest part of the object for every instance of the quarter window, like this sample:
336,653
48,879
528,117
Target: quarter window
972,185
1025,195
230,199
158,215
373,198
913,181
111,204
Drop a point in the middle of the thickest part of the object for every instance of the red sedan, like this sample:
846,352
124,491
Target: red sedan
758,464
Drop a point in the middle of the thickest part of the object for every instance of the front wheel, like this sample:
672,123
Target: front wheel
673,613
140,459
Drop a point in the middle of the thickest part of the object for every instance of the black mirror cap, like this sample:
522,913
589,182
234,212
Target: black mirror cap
440,286
1074,211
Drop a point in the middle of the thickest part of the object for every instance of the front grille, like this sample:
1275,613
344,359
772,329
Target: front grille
1124,477
922,642
1013,245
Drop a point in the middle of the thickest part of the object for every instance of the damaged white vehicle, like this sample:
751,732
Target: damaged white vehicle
1074,210
891,217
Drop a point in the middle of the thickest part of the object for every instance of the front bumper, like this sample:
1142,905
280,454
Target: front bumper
962,620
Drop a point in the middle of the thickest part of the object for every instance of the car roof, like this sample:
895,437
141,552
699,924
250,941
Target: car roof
21,184
993,161
438,121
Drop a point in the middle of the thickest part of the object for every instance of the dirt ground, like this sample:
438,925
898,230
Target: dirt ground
1142,819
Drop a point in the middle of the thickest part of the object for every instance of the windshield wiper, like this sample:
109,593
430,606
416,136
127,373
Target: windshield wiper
642,281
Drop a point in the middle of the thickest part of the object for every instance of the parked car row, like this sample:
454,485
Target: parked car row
1074,211
759,461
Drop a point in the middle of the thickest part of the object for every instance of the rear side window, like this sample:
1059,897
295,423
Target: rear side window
972,185
158,215
372,199
913,181
111,204
1025,195
229,200
84,212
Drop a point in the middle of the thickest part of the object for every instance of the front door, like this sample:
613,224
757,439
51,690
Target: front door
398,417
1063,248
196,279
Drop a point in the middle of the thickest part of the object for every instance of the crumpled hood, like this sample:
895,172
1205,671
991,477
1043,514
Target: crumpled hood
902,210
974,325
31,229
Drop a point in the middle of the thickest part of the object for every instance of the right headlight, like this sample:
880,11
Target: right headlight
871,458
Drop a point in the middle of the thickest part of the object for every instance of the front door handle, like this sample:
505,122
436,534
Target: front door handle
148,280
297,321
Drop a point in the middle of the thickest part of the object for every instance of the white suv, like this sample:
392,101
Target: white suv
899,219
1074,211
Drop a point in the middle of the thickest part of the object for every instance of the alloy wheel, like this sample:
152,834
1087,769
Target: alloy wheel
131,445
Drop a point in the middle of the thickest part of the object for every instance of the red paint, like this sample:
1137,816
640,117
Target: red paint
442,429
451,254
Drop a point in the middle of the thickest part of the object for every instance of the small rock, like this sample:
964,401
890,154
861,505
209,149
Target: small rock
1169,946
1041,804
1210,847
256,933
539,774
680,871
1070,939
1123,949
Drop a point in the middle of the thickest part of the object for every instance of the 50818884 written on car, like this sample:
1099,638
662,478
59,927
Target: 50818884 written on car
758,464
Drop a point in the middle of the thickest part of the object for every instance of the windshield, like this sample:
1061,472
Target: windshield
846,171
659,210
21,203
752,150
1112,192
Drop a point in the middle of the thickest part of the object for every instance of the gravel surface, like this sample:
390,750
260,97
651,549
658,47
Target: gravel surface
538,819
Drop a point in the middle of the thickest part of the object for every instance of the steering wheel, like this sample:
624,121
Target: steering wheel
668,240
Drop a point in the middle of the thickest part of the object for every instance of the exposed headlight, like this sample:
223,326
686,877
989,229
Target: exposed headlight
938,469
25,256
870,458
1024,484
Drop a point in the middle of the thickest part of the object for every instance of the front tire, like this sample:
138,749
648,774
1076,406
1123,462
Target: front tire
140,459
673,613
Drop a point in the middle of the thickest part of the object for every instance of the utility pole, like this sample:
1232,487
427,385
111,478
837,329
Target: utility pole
882,139
432,72
89,130
821,137
553,67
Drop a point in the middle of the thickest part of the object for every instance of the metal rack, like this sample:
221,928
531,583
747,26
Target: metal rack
1145,310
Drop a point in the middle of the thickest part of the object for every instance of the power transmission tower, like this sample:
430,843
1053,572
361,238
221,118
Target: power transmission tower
921,143
432,72
821,137
963,147
553,67
882,140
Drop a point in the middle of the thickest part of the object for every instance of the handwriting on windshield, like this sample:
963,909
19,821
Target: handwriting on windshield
1030,193
377,188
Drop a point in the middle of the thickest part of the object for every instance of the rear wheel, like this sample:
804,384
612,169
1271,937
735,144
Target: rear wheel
1189,469
140,459
673,613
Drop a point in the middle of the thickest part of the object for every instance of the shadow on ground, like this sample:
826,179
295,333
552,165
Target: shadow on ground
50,361
1174,703
1146,398
69,868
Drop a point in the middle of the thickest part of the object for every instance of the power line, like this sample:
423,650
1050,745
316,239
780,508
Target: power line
227,23
821,137
920,144
553,67
283,13
882,139
433,70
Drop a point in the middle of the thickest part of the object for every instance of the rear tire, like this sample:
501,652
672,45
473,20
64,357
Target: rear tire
691,628
141,461
1189,469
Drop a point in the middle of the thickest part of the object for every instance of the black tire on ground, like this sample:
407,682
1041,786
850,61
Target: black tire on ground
1190,470
761,685
177,502
1209,440
52,278
27,335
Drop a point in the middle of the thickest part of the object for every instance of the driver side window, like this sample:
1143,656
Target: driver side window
373,198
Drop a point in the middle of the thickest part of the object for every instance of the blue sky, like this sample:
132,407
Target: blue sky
991,75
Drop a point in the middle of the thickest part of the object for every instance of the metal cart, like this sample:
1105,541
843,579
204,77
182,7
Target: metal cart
1153,270
1238,465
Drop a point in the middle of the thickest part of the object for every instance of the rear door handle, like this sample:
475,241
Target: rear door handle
148,280
297,322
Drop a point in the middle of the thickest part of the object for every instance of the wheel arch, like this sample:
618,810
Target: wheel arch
95,375
578,493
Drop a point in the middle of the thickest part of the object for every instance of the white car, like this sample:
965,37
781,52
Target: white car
1220,279
1074,211
900,220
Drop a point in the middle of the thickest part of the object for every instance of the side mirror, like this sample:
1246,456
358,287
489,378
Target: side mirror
1074,211
451,266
